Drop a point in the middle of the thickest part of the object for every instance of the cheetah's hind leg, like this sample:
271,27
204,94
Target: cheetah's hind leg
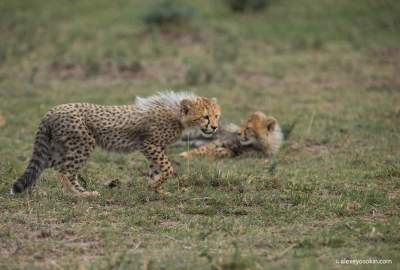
72,161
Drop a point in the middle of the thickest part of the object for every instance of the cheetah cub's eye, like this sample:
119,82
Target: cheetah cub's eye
206,117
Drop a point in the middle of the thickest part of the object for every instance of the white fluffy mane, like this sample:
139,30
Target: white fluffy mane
276,139
167,99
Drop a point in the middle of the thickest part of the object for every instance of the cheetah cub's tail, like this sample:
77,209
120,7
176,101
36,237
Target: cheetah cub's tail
37,163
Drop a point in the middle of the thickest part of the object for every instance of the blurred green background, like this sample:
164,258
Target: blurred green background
331,67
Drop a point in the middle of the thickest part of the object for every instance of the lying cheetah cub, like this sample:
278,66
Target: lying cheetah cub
259,133
68,134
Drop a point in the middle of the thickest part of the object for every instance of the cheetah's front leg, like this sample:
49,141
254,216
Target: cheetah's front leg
215,149
160,167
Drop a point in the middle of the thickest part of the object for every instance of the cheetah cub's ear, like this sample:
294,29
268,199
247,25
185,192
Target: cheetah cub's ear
270,124
186,106
214,100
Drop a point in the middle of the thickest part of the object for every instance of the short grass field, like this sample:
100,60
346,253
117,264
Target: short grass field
332,68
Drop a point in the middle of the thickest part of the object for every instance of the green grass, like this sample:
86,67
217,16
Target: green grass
332,192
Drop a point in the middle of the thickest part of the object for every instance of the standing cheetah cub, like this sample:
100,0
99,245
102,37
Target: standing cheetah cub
68,134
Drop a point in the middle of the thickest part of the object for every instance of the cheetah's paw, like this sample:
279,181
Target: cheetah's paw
163,193
184,189
184,154
90,194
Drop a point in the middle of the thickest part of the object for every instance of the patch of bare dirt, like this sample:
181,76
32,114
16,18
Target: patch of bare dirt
65,70
314,147
254,79
394,194
2,120
317,147
388,55
180,37
164,71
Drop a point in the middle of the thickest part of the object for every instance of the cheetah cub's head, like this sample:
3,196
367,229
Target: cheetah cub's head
202,113
261,131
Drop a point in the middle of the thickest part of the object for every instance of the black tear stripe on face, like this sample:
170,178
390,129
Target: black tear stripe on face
197,119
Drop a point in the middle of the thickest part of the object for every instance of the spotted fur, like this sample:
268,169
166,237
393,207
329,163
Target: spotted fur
258,133
68,134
